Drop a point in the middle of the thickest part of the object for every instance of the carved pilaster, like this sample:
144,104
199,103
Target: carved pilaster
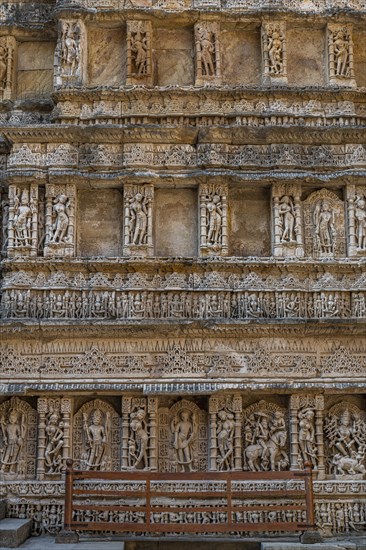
126,410
138,227
207,49
274,52
66,412
287,221
340,55
42,410
7,66
23,221
213,220
71,54
152,408
60,220
139,63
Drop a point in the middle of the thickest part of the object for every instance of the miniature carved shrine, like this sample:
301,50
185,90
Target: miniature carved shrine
183,246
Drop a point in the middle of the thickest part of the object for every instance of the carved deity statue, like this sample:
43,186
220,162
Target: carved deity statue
324,223
360,219
139,439
346,436
265,438
214,220
139,50
3,66
24,208
70,49
97,437
184,429
307,443
225,439
287,215
54,443
206,51
138,219
60,226
13,433
341,47
274,47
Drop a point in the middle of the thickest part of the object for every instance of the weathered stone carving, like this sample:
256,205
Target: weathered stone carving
70,54
345,432
17,439
96,436
7,66
208,64
274,52
23,221
265,437
139,66
213,220
60,220
225,432
138,228
183,438
324,225
139,433
356,217
306,425
287,221
340,55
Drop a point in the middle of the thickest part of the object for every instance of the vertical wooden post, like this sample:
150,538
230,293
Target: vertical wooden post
309,494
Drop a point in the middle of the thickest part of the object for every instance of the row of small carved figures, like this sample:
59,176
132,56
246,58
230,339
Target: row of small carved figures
180,305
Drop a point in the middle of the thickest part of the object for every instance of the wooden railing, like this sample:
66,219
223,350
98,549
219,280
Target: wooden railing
147,502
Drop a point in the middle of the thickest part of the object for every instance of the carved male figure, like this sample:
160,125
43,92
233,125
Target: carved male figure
324,226
13,432
97,435
207,52
23,211
184,430
138,219
139,48
341,52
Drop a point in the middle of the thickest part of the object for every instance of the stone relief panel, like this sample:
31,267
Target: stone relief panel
213,219
71,54
345,441
7,67
183,437
288,236
225,432
96,437
340,55
265,438
22,235
274,52
207,48
18,440
356,220
139,433
138,220
60,227
306,428
139,58
324,225
4,223
54,435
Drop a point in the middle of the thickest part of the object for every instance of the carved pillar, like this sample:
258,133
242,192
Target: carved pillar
319,434
23,221
138,216
287,221
207,51
238,442
213,407
7,56
340,55
139,62
71,54
274,52
66,410
42,410
60,220
152,407
213,220
126,410
294,434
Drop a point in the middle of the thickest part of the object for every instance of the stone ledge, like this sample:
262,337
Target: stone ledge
13,532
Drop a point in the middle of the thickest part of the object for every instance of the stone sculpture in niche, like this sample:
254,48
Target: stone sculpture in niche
139,433
265,438
345,431
97,428
340,55
225,439
22,222
54,443
307,444
324,225
287,221
356,217
208,67
287,214
18,423
7,52
59,237
184,430
213,219
274,52
70,53
138,220
139,67
139,439
225,432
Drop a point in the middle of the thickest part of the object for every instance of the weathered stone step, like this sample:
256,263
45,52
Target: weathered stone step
192,545
317,546
13,532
